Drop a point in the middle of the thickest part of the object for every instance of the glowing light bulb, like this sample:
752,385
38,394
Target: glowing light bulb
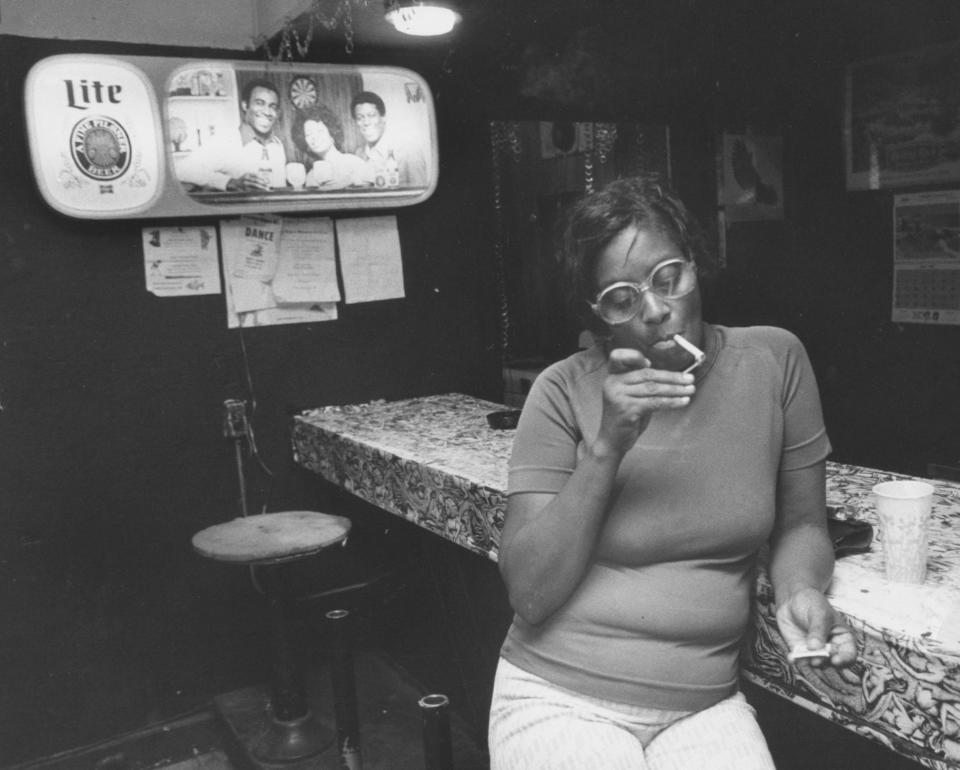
425,20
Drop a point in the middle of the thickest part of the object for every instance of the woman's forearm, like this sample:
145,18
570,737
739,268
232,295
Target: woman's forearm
800,557
545,549
800,552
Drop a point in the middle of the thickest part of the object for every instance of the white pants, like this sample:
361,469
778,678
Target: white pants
535,725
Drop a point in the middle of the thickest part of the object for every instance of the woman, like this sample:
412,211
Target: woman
639,496
318,133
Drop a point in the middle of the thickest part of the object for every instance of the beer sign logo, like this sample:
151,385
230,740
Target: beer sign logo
100,147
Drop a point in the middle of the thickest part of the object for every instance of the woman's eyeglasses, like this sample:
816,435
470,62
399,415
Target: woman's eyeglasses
621,301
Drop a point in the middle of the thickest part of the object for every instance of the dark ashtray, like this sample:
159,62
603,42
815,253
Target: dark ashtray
849,536
503,420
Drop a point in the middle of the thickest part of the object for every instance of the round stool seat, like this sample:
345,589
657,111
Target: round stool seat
271,537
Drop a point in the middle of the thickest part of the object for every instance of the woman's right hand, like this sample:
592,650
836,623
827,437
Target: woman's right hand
632,392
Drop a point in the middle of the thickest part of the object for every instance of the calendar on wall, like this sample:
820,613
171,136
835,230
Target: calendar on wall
926,257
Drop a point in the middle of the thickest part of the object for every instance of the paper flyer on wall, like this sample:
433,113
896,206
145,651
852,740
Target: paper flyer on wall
181,261
306,263
926,257
370,259
257,257
279,271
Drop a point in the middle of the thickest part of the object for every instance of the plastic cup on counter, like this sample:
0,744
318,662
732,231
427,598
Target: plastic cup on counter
903,508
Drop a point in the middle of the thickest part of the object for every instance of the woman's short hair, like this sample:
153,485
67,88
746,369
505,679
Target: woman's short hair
646,202
319,113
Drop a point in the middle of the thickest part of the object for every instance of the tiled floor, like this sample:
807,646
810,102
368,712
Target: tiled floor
408,623
391,724
190,743
215,760
440,632
391,735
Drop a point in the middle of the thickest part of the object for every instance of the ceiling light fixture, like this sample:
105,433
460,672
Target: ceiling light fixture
421,17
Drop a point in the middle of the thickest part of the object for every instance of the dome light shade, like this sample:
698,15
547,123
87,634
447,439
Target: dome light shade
421,17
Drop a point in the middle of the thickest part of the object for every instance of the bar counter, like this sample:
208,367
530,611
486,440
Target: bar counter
435,462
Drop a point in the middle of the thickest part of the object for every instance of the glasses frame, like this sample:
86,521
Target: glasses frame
641,288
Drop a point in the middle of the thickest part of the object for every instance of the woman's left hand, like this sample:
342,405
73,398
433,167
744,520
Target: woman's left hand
807,618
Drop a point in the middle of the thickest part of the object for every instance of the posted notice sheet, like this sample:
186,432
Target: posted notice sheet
370,260
180,261
279,271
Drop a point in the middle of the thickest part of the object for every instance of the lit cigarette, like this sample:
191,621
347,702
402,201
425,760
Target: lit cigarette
693,350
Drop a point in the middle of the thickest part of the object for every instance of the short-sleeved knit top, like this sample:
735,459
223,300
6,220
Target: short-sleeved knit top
660,615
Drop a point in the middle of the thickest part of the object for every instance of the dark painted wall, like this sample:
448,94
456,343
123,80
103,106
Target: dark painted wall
889,390
112,453
825,272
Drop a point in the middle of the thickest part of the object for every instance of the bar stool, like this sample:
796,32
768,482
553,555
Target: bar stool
265,543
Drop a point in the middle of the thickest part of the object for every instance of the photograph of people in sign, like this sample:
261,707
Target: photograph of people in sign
260,133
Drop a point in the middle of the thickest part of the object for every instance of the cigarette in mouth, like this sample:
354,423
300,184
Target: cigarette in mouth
693,350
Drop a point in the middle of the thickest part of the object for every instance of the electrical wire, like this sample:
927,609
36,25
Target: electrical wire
252,450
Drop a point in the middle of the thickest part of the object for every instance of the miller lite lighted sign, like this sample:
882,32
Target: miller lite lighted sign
121,137
95,136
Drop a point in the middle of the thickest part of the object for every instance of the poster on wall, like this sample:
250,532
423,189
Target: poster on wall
133,136
751,178
926,257
901,119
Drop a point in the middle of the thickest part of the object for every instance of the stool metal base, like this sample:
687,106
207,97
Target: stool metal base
293,740
246,714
